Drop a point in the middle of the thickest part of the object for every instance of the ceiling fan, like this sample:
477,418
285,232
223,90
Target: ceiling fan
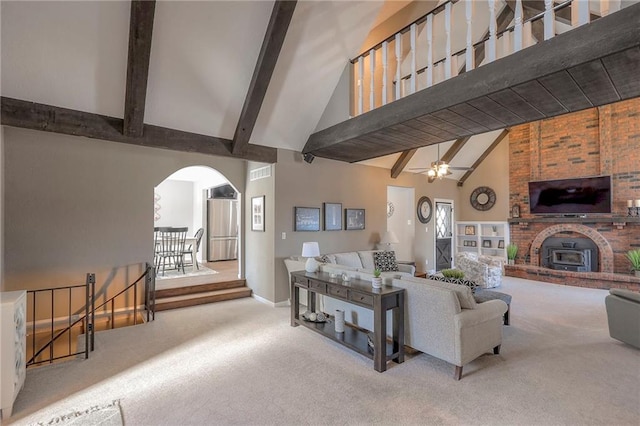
438,169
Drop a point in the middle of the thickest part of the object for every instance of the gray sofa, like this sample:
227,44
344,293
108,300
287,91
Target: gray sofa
441,319
623,315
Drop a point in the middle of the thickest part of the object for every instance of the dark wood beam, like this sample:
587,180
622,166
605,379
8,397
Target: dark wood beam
30,115
140,31
615,33
402,162
272,44
454,149
484,155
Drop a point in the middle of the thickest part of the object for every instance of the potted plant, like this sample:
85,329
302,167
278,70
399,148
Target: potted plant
455,274
376,281
634,259
512,252
494,230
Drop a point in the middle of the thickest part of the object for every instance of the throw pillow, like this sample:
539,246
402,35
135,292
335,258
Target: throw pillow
323,259
385,261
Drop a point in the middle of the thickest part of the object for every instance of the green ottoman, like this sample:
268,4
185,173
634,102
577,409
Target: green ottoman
482,295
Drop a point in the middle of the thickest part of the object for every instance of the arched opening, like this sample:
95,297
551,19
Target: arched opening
185,199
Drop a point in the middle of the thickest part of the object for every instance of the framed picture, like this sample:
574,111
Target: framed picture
353,219
501,244
515,211
332,216
469,230
306,219
466,243
486,243
257,213
473,243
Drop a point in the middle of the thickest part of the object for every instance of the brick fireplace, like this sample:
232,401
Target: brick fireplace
594,142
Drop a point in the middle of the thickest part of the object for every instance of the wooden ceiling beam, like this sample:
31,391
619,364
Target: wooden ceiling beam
30,115
272,44
402,162
140,33
454,149
484,155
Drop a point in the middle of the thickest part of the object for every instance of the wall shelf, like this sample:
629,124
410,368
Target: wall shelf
480,237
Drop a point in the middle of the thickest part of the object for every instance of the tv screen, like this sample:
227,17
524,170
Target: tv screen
571,196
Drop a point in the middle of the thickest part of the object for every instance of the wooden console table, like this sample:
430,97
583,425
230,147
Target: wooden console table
357,292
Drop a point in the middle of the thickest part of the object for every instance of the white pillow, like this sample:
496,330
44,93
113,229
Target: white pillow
348,259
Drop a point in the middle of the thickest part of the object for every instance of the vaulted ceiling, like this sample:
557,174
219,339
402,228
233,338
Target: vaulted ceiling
66,66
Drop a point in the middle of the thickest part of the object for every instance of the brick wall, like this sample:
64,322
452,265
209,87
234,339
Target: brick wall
598,141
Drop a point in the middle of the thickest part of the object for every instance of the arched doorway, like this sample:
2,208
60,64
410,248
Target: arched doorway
182,200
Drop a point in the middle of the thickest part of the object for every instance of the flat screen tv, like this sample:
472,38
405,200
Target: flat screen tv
571,196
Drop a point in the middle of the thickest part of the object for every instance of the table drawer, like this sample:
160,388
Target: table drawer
364,299
319,287
339,291
301,281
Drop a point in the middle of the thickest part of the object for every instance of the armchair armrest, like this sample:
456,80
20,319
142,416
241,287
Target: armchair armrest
409,269
483,312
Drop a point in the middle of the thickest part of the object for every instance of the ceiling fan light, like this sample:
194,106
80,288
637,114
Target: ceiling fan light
431,173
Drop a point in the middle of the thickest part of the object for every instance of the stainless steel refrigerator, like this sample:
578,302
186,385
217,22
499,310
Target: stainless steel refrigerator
222,229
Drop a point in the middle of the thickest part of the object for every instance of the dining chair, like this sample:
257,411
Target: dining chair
189,250
171,242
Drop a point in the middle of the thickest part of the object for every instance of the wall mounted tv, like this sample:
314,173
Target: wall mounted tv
571,196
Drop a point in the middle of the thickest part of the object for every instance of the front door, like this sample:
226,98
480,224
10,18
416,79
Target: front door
444,234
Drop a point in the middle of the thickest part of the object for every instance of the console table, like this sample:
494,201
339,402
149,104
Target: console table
357,292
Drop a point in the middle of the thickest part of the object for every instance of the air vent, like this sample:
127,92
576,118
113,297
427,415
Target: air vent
261,173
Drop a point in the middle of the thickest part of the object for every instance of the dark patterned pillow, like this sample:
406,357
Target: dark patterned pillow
323,259
385,261
460,281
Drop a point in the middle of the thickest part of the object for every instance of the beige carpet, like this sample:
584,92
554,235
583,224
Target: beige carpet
239,362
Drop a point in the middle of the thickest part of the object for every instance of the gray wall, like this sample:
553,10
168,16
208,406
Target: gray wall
74,205
355,186
2,208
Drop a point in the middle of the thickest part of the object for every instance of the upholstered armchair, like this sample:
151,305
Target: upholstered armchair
623,315
485,271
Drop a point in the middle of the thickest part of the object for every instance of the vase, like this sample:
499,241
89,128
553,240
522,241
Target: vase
339,321
511,261
376,282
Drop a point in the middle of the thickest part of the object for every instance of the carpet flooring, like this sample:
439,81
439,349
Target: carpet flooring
240,362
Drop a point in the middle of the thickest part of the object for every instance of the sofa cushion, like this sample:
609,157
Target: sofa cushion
366,257
385,261
464,293
348,259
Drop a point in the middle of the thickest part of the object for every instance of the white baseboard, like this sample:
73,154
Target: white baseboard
270,303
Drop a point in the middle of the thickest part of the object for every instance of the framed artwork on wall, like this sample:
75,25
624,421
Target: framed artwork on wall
486,243
257,213
332,216
306,219
353,219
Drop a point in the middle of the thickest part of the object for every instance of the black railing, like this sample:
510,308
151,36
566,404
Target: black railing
86,319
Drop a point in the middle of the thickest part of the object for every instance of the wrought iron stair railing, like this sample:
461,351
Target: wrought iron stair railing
83,318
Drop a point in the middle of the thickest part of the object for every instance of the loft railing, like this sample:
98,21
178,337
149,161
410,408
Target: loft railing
382,77
79,320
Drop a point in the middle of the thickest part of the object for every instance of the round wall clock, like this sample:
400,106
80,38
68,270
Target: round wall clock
483,198
424,209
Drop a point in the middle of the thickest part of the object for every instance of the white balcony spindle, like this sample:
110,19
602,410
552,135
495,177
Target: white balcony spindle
517,29
412,87
469,53
360,84
398,63
549,20
447,31
527,35
580,14
429,31
385,47
372,79
491,43
609,6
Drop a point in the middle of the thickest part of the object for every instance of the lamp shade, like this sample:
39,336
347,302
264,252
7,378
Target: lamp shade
389,237
311,249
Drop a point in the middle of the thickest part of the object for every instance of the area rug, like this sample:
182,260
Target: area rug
104,415
188,272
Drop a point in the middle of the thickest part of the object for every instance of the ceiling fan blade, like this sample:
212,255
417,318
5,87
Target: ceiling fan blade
419,168
460,168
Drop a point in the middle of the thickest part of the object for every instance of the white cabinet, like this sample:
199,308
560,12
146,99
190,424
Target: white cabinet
13,336
490,238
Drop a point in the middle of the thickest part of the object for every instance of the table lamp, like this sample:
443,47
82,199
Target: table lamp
310,251
389,238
